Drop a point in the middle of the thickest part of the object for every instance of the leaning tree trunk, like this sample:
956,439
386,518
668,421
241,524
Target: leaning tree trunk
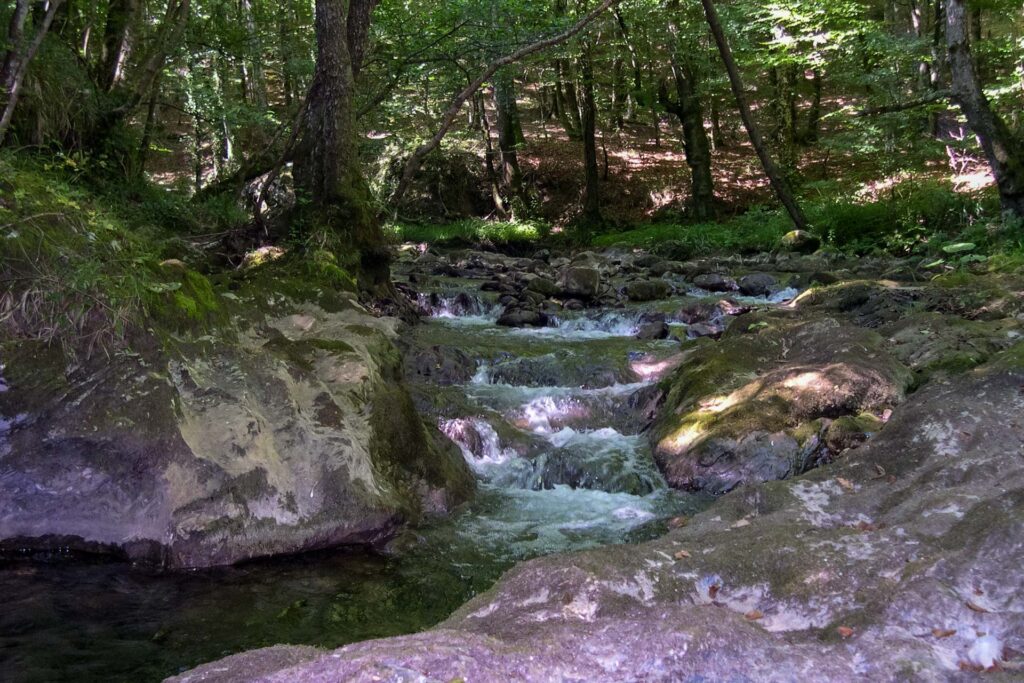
18,58
1005,154
327,169
771,169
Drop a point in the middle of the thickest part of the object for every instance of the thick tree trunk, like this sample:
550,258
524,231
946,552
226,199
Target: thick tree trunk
775,175
117,41
1005,153
327,169
688,109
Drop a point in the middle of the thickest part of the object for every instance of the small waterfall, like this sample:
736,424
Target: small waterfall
478,441
454,306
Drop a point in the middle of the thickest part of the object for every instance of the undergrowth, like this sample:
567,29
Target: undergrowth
83,265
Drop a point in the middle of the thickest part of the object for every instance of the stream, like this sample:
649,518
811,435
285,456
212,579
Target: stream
550,423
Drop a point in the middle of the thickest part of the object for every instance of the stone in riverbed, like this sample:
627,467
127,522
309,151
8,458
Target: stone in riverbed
648,290
443,365
801,242
757,284
771,373
543,285
653,330
518,316
580,283
714,282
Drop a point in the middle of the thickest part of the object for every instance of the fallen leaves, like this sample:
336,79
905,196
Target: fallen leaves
943,632
754,615
844,631
678,522
682,554
846,484
975,607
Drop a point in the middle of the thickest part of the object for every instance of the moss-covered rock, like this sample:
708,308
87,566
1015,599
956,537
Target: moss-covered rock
739,410
285,430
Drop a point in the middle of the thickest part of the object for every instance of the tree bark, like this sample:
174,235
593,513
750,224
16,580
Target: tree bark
117,41
1005,154
775,175
687,108
327,168
13,79
591,217
508,139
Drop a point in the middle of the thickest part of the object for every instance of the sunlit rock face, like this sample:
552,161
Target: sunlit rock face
287,432
756,405
900,562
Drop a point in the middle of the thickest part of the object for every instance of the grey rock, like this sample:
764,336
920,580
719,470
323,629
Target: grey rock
757,284
713,282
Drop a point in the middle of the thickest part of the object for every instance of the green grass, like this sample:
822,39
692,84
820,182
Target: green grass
470,230
82,268
755,231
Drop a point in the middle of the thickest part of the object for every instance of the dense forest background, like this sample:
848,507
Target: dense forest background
207,132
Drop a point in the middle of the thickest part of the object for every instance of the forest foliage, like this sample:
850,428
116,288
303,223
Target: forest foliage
197,130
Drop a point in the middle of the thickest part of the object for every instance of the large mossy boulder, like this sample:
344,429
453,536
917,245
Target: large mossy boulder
898,563
750,407
287,430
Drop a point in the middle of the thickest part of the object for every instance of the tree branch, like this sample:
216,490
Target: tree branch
416,160
934,97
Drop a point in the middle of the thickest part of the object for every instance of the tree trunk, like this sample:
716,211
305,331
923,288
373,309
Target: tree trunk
18,58
327,169
255,85
778,181
591,217
508,140
1005,154
489,156
814,112
117,41
688,109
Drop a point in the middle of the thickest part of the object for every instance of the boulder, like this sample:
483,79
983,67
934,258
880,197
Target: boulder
543,285
653,330
713,282
648,290
743,409
286,430
522,316
801,242
580,283
898,563
757,284
444,365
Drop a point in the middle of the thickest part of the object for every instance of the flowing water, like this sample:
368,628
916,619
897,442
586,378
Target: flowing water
549,423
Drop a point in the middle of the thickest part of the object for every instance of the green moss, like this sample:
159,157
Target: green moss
404,454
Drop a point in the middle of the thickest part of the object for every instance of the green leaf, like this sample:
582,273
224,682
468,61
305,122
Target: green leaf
959,247
162,287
